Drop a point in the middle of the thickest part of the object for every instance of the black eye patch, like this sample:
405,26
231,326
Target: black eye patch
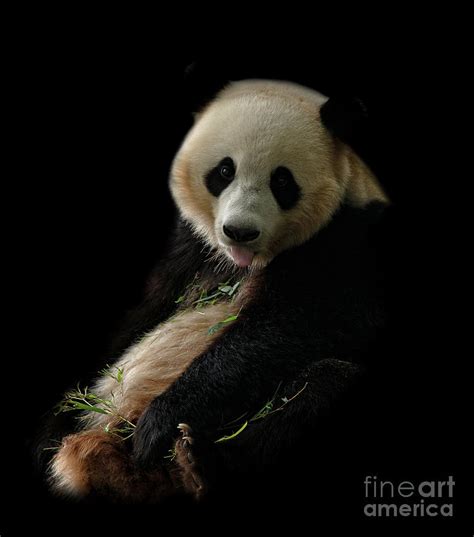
284,188
220,177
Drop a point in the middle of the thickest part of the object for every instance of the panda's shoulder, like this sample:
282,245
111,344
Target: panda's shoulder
348,242
350,228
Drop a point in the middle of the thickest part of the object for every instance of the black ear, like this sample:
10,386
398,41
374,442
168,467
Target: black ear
202,81
346,118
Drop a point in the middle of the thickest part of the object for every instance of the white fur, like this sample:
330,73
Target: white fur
262,125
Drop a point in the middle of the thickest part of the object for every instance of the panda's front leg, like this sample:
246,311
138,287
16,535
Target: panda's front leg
203,462
234,376
297,410
229,379
156,431
160,435
207,462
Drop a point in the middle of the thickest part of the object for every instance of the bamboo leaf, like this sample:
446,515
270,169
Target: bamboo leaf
226,289
233,435
89,408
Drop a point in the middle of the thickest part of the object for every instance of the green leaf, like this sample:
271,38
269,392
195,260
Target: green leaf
206,299
233,435
105,370
226,289
220,324
214,329
234,288
90,408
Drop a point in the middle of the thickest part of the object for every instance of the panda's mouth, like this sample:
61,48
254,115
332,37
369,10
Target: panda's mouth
241,256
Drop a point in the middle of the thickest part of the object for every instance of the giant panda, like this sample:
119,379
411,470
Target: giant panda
269,291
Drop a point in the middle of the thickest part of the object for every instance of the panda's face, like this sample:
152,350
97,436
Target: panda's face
252,196
258,173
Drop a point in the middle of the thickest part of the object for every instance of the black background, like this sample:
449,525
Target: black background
98,114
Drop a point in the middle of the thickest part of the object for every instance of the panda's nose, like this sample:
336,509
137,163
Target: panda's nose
241,234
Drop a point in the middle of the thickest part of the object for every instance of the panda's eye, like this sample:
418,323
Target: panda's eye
284,188
281,177
281,181
220,177
227,172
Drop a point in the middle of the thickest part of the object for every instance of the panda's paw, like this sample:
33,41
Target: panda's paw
186,459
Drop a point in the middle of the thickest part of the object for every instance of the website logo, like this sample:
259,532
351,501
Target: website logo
385,498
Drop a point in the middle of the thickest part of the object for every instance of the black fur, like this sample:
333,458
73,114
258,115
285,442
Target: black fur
309,328
320,303
186,256
318,396
345,117
216,182
284,188
312,322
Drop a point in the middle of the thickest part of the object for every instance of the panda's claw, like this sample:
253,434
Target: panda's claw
192,481
186,433
185,429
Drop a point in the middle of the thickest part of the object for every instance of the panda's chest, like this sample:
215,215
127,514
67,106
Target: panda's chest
151,365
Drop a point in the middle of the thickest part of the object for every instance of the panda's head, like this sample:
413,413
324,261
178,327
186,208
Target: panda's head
260,172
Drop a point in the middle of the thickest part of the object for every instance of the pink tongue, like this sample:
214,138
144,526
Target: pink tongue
241,256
